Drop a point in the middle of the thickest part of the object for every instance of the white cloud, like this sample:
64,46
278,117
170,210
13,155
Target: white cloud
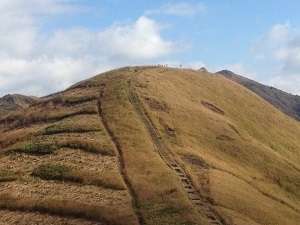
37,7
140,40
36,63
137,41
41,75
279,33
179,9
282,45
290,84
241,69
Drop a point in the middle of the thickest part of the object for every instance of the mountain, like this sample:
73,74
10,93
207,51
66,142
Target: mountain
287,103
10,103
203,69
150,146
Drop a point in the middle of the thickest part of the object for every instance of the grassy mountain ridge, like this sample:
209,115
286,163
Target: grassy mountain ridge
288,103
151,145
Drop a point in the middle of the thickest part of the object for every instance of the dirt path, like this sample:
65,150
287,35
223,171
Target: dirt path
201,203
121,165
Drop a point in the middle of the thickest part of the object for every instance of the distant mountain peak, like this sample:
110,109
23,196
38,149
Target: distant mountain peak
13,102
203,69
226,72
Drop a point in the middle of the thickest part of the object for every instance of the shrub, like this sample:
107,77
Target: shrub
55,172
79,99
37,148
58,129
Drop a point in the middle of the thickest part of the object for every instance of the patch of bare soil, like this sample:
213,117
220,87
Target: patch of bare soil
168,128
234,129
195,160
156,105
212,107
224,138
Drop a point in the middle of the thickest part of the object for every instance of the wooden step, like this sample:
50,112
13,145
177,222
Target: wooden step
194,197
178,170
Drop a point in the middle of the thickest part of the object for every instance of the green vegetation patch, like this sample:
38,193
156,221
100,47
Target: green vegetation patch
55,172
79,99
6,176
36,148
57,129
69,100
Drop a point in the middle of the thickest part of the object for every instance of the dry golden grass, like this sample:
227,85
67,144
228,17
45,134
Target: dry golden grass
50,146
68,208
25,218
234,131
76,124
46,113
61,141
161,199
17,135
65,173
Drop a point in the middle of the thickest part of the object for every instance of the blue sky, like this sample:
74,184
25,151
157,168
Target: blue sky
46,45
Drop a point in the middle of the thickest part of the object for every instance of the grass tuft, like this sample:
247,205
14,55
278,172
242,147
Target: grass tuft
36,148
68,208
57,129
55,172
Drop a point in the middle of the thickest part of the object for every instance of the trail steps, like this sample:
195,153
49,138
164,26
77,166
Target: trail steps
201,203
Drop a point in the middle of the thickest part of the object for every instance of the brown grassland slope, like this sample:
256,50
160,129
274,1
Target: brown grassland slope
150,146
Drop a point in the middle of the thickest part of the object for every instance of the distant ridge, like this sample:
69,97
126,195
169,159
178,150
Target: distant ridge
13,102
287,103
203,69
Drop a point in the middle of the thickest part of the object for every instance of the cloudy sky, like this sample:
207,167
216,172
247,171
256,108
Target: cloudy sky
46,45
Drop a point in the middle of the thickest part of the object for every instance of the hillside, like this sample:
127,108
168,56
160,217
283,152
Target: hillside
10,103
287,103
150,146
